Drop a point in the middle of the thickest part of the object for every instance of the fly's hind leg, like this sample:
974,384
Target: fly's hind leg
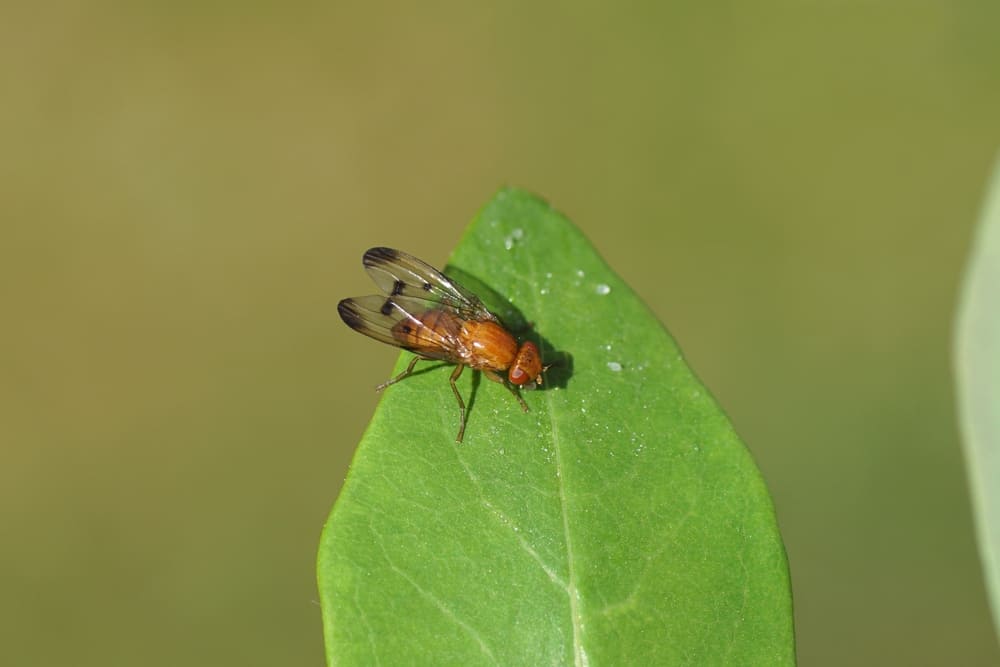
454,377
514,392
403,375
461,404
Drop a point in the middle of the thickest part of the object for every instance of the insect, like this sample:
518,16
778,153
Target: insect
431,315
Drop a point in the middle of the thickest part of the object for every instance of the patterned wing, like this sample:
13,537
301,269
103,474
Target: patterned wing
399,274
402,322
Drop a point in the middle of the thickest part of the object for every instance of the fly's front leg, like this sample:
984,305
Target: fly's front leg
514,392
461,404
517,395
404,374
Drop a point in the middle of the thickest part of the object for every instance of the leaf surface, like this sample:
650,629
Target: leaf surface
619,522
977,361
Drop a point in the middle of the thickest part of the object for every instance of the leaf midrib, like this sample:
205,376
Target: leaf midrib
571,590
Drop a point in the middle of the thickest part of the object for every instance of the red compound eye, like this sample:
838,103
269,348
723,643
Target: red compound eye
527,366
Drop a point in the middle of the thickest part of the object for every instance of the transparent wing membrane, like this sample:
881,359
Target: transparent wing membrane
400,274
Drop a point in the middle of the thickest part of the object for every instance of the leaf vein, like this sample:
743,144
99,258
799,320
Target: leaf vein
441,606
579,655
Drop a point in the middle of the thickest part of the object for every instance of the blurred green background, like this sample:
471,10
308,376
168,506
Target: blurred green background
187,188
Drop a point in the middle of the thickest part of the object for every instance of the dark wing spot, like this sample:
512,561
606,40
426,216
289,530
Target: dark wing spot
350,314
428,287
398,287
406,328
379,256
387,307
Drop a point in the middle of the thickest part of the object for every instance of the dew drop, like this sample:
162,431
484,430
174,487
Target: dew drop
614,366
513,238
602,289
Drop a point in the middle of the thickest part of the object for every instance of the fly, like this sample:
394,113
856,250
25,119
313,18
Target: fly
431,315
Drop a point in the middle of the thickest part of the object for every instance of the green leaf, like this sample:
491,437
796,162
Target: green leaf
620,522
977,366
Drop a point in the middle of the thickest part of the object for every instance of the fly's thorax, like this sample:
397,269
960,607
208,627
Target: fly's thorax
489,345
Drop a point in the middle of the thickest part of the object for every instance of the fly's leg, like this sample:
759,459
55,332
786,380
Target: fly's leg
514,392
404,374
461,404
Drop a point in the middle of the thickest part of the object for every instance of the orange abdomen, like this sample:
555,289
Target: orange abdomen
424,334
